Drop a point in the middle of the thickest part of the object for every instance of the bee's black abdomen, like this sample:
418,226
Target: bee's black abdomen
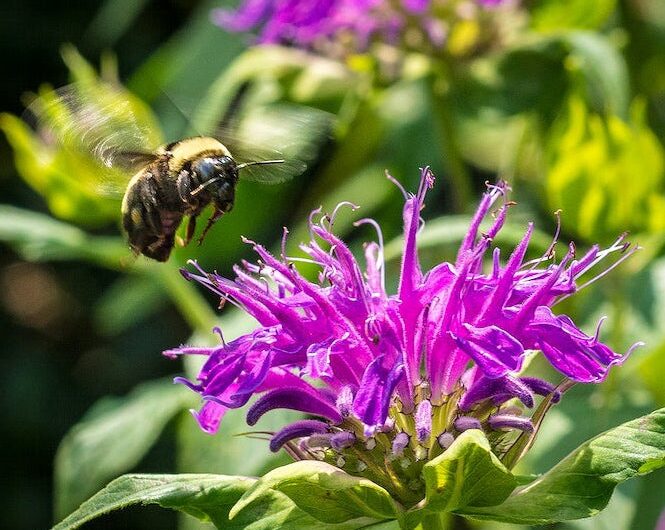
160,250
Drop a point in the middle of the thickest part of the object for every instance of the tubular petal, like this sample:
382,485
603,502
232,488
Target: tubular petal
298,429
294,399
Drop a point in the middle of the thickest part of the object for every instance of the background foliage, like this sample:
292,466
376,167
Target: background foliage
572,114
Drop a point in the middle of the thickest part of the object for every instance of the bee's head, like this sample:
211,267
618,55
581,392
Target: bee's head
217,175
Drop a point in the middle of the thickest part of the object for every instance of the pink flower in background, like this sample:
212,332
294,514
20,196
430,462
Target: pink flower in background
308,23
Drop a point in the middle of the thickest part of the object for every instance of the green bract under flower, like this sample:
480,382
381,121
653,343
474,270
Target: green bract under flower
392,380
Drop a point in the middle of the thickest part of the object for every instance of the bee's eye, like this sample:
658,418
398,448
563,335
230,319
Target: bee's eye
228,166
205,169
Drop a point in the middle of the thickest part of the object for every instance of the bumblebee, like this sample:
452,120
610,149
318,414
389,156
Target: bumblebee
169,183
184,177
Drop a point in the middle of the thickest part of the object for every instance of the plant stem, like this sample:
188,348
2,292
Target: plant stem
458,173
434,521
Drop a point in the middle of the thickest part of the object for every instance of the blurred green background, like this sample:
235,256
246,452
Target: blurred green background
569,109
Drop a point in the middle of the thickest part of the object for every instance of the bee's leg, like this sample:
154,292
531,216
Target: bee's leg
191,228
213,219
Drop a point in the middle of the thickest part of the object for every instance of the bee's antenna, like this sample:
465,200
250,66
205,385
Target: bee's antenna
260,163
204,186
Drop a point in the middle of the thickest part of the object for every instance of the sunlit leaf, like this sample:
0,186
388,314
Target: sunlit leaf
553,15
466,474
603,68
58,158
592,166
323,491
582,483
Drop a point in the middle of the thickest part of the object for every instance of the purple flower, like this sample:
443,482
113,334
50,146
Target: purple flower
359,359
315,23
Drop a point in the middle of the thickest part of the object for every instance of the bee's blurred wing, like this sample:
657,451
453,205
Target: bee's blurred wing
290,133
101,121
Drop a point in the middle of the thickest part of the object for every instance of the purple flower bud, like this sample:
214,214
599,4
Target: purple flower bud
465,423
294,399
423,419
508,421
345,401
342,440
399,443
445,440
318,441
542,388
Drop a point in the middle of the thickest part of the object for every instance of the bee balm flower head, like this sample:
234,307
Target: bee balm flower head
399,373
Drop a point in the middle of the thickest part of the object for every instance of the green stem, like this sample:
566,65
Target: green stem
434,521
458,173
192,306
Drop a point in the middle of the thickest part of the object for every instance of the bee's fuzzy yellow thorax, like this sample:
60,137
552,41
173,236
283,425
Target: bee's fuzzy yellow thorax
192,148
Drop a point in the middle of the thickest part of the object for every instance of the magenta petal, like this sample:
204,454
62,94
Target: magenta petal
500,389
376,390
573,353
494,350
209,416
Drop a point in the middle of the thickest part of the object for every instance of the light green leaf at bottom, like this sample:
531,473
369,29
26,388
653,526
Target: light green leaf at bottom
323,491
582,483
466,474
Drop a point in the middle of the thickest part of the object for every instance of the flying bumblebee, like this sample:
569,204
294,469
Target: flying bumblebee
180,180
174,180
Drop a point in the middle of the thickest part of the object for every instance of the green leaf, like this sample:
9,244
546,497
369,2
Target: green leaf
74,183
320,490
467,474
112,21
39,237
207,497
184,67
582,483
276,511
553,15
590,157
284,74
603,69
112,438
